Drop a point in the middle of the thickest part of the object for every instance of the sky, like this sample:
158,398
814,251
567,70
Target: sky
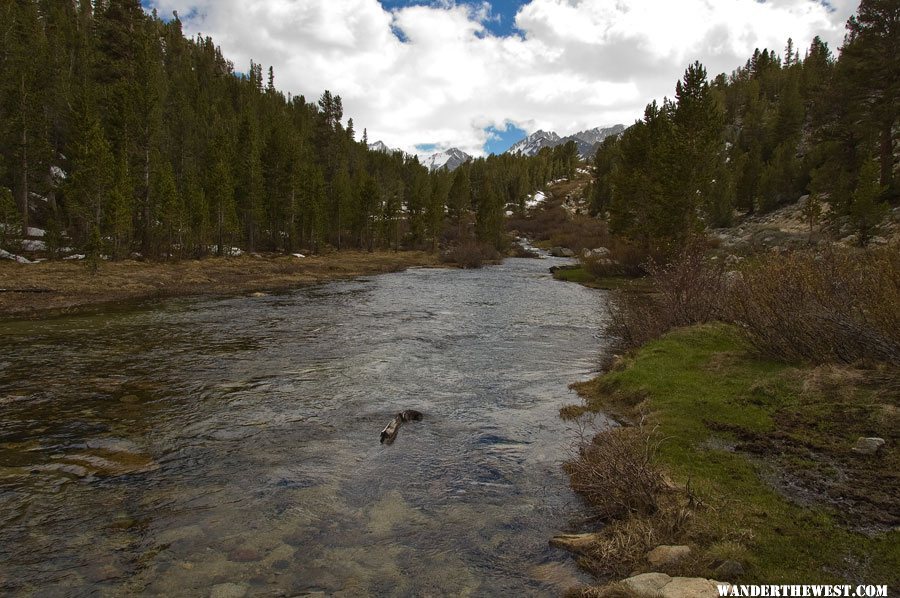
426,75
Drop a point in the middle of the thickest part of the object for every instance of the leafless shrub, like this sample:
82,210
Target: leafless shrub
687,290
616,474
470,255
624,259
832,306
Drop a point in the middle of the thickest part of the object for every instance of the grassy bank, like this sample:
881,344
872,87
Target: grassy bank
580,275
57,287
758,462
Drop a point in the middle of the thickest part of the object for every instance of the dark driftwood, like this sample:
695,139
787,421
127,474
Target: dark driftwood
389,434
27,291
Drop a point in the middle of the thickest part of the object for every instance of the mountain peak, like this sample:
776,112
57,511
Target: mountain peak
381,146
587,141
451,159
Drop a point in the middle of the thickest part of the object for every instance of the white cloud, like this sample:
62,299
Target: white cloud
578,63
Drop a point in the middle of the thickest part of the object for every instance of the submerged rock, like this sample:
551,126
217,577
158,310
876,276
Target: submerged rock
574,542
244,555
229,590
558,574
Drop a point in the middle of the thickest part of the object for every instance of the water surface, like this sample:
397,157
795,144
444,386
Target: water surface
231,444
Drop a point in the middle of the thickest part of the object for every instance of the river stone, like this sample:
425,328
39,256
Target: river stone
229,590
667,555
561,252
244,555
868,446
647,584
578,543
660,585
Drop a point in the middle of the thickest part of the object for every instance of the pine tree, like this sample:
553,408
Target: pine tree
120,210
866,209
459,199
870,62
90,183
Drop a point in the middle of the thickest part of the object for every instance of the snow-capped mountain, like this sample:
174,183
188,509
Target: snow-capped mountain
381,146
534,143
450,159
587,141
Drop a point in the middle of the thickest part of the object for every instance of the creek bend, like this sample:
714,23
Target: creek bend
178,446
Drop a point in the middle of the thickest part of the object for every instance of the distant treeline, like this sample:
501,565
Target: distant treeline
118,134
775,129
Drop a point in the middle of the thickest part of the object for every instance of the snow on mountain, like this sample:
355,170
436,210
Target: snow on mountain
534,143
450,159
587,141
381,146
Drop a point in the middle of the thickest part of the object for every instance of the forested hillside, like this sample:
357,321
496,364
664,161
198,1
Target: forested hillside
781,126
119,135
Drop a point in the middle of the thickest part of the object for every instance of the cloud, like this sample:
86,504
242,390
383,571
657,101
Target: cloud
434,74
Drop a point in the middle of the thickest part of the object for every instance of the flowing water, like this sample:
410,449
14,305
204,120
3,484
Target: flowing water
230,446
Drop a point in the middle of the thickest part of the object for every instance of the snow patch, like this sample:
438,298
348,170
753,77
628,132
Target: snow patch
36,232
58,173
535,200
5,255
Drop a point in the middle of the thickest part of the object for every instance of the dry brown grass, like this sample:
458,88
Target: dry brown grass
70,286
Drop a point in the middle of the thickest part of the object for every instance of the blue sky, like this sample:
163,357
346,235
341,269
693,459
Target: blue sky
503,11
427,75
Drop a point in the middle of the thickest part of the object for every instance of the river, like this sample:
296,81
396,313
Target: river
230,446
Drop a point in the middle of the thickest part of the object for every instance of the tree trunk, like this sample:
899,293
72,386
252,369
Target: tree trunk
887,153
23,181
145,233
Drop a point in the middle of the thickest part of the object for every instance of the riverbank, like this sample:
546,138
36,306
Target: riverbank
760,473
33,290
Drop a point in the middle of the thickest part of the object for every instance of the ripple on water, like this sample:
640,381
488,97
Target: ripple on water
231,444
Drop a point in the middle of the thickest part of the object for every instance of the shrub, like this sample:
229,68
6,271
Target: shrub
615,473
688,290
831,306
556,227
624,259
470,255
828,306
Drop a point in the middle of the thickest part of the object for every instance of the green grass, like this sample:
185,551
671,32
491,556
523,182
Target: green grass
608,283
703,386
